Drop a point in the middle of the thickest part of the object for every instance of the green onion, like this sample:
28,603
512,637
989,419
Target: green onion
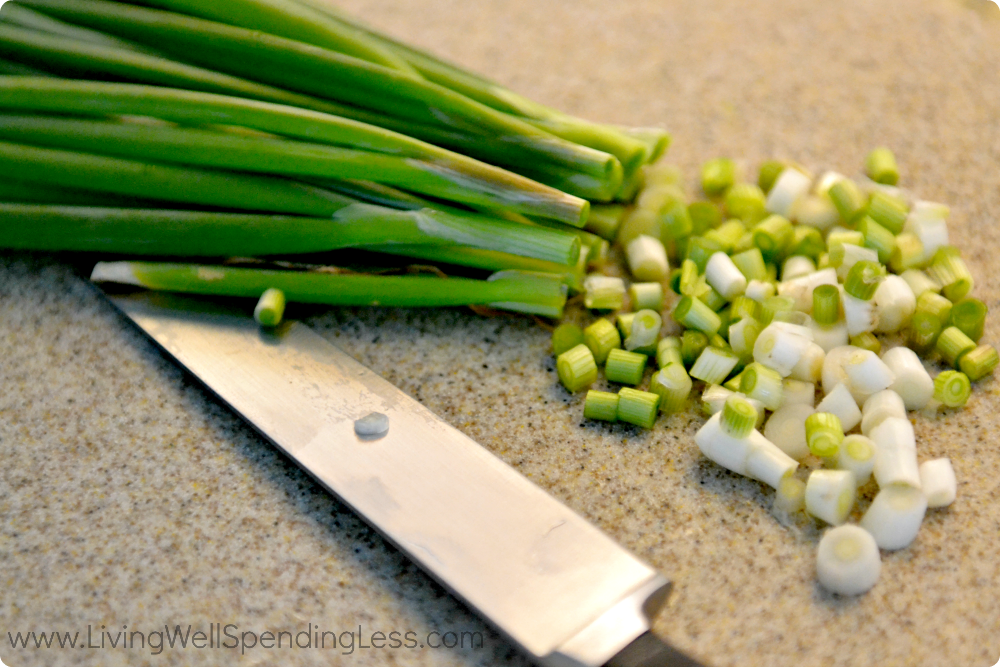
637,407
807,241
895,515
603,292
691,283
644,332
692,345
27,18
763,384
950,270
848,199
751,264
673,385
826,304
772,236
738,417
675,221
602,337
863,279
866,340
694,314
625,367
704,216
743,335
824,434
700,249
877,238
923,331
938,483
769,172
638,222
604,220
848,561
270,308
565,337
969,315
647,259
624,321
980,362
668,350
576,368
952,389
714,365
773,306
743,307
908,253
936,305
646,295
880,165
510,290
726,236
952,344
745,202
888,211
601,405
717,176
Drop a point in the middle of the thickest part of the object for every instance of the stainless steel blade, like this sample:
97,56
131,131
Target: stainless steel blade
552,583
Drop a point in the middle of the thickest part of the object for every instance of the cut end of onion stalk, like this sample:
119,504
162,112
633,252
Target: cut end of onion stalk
848,561
122,273
830,495
894,516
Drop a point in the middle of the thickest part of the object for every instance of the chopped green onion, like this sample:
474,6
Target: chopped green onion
936,305
780,349
912,382
733,383
738,417
919,282
772,236
675,221
863,279
952,389
704,216
565,337
270,308
857,454
924,329
789,498
726,235
824,433
689,283
625,367
743,335
668,350
745,202
744,306
848,561
894,304
644,332
700,249
601,405
839,401
577,368
826,304
786,428
724,276
604,220
848,199
763,384
760,290
637,407
952,344
601,337
895,515
717,176
866,374
796,266
751,264
647,259
773,305
908,253
950,270
937,481
877,238
769,172
672,384
830,494
932,232
692,345
969,315
638,222
895,453
866,341
980,362
790,186
888,211
714,365
603,292
646,295
624,321
880,165
880,406
806,241
694,314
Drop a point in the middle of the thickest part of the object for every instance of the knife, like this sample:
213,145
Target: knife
553,584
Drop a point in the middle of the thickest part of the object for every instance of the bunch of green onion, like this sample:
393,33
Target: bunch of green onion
784,289
182,129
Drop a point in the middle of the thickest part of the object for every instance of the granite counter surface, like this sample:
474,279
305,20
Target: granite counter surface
129,497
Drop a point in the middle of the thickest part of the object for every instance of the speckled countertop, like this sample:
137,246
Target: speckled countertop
129,497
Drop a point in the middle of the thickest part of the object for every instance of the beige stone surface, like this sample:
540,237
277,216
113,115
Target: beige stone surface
129,497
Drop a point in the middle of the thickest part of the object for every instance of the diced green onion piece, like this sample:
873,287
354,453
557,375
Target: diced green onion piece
726,235
744,306
625,367
790,497
646,295
577,368
878,238
270,308
949,269
826,304
763,384
863,279
760,290
717,176
908,253
601,405
647,259
713,300
675,221
920,282
888,211
675,281
714,365
837,239
603,292
866,340
624,321
704,216
751,264
689,283
938,483
895,515
724,276
952,344
830,494
952,389
924,329
848,199
980,362
880,165
637,407
936,305
857,454
743,335
673,385
636,223
565,337
644,332
692,345
604,220
769,172
745,202
807,241
668,350
824,434
601,337
969,315
738,417
773,305
847,560
700,249
772,236
733,383
912,382
694,314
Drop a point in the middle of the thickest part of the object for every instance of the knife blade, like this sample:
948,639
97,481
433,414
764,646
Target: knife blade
548,580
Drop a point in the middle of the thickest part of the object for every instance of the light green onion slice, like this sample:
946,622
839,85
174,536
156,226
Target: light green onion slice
694,314
692,345
923,331
877,238
824,434
601,405
857,454
738,417
936,305
848,199
938,483
646,295
789,498
625,367
751,264
866,341
577,368
603,292
880,165
969,315
637,407
950,270
830,494
673,385
895,515
725,237
270,308
647,259
952,344
714,365
848,561
952,389
602,337
769,172
908,254
717,176
644,332
565,337
772,236
980,362
668,350
704,216
745,202
700,248
888,211
763,384
863,279
826,304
